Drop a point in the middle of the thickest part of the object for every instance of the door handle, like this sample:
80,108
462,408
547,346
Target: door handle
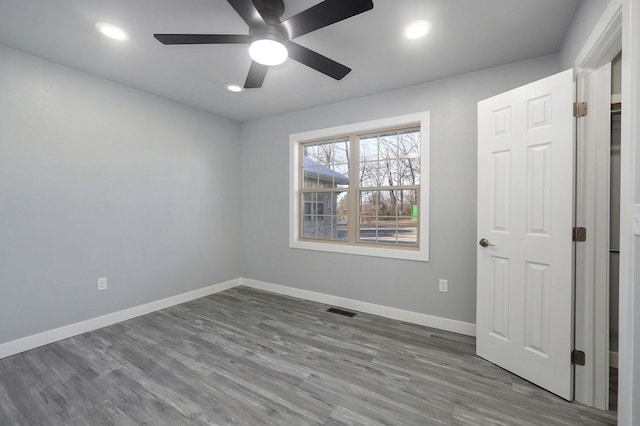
485,243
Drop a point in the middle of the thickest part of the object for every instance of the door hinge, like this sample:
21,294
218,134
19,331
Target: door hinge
578,357
579,234
580,109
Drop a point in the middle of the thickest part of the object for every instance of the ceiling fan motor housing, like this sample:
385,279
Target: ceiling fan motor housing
270,32
270,10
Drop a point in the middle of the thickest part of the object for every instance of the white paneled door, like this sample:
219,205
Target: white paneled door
525,219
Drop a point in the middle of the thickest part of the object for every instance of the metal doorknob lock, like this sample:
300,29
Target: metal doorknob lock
485,243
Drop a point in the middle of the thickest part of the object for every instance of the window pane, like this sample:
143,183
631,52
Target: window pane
342,208
409,144
311,174
340,175
397,155
388,146
409,156
324,154
341,152
410,171
326,165
370,174
324,215
389,175
408,203
388,217
310,151
369,148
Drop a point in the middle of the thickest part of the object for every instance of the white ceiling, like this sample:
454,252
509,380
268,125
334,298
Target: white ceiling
467,35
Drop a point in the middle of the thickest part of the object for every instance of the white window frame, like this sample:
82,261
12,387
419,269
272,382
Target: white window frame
295,140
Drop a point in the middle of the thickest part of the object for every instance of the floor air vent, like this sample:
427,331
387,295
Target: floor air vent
342,312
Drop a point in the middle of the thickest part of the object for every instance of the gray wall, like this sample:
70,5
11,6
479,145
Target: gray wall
584,21
401,284
97,179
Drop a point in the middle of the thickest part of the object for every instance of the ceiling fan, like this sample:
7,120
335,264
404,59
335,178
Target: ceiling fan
270,39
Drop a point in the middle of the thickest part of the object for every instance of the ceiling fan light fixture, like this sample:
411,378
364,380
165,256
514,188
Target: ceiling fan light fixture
266,51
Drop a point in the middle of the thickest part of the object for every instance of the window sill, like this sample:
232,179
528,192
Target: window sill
420,254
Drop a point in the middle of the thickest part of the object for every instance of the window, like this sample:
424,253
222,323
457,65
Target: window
362,188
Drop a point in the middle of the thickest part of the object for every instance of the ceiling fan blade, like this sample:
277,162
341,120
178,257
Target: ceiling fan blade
247,12
326,13
317,61
202,38
257,73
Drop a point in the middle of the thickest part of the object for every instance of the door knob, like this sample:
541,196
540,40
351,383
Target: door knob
485,243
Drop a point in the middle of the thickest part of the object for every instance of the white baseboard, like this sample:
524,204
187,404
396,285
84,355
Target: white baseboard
50,336
613,359
36,340
455,326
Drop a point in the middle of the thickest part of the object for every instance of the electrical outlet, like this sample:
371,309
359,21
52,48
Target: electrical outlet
102,283
443,286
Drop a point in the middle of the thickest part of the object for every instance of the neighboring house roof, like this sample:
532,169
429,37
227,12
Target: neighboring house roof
313,170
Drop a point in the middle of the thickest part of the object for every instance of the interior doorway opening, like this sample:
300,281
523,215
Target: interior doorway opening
614,226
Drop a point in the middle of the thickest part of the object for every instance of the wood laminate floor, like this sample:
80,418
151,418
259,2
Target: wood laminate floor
250,357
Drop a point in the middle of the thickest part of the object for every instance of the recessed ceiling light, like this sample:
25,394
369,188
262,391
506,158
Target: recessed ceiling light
234,88
417,29
112,31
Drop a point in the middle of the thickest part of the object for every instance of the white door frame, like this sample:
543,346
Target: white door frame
592,256
629,337
620,20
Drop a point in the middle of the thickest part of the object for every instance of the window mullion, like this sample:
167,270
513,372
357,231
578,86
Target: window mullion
354,166
300,192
